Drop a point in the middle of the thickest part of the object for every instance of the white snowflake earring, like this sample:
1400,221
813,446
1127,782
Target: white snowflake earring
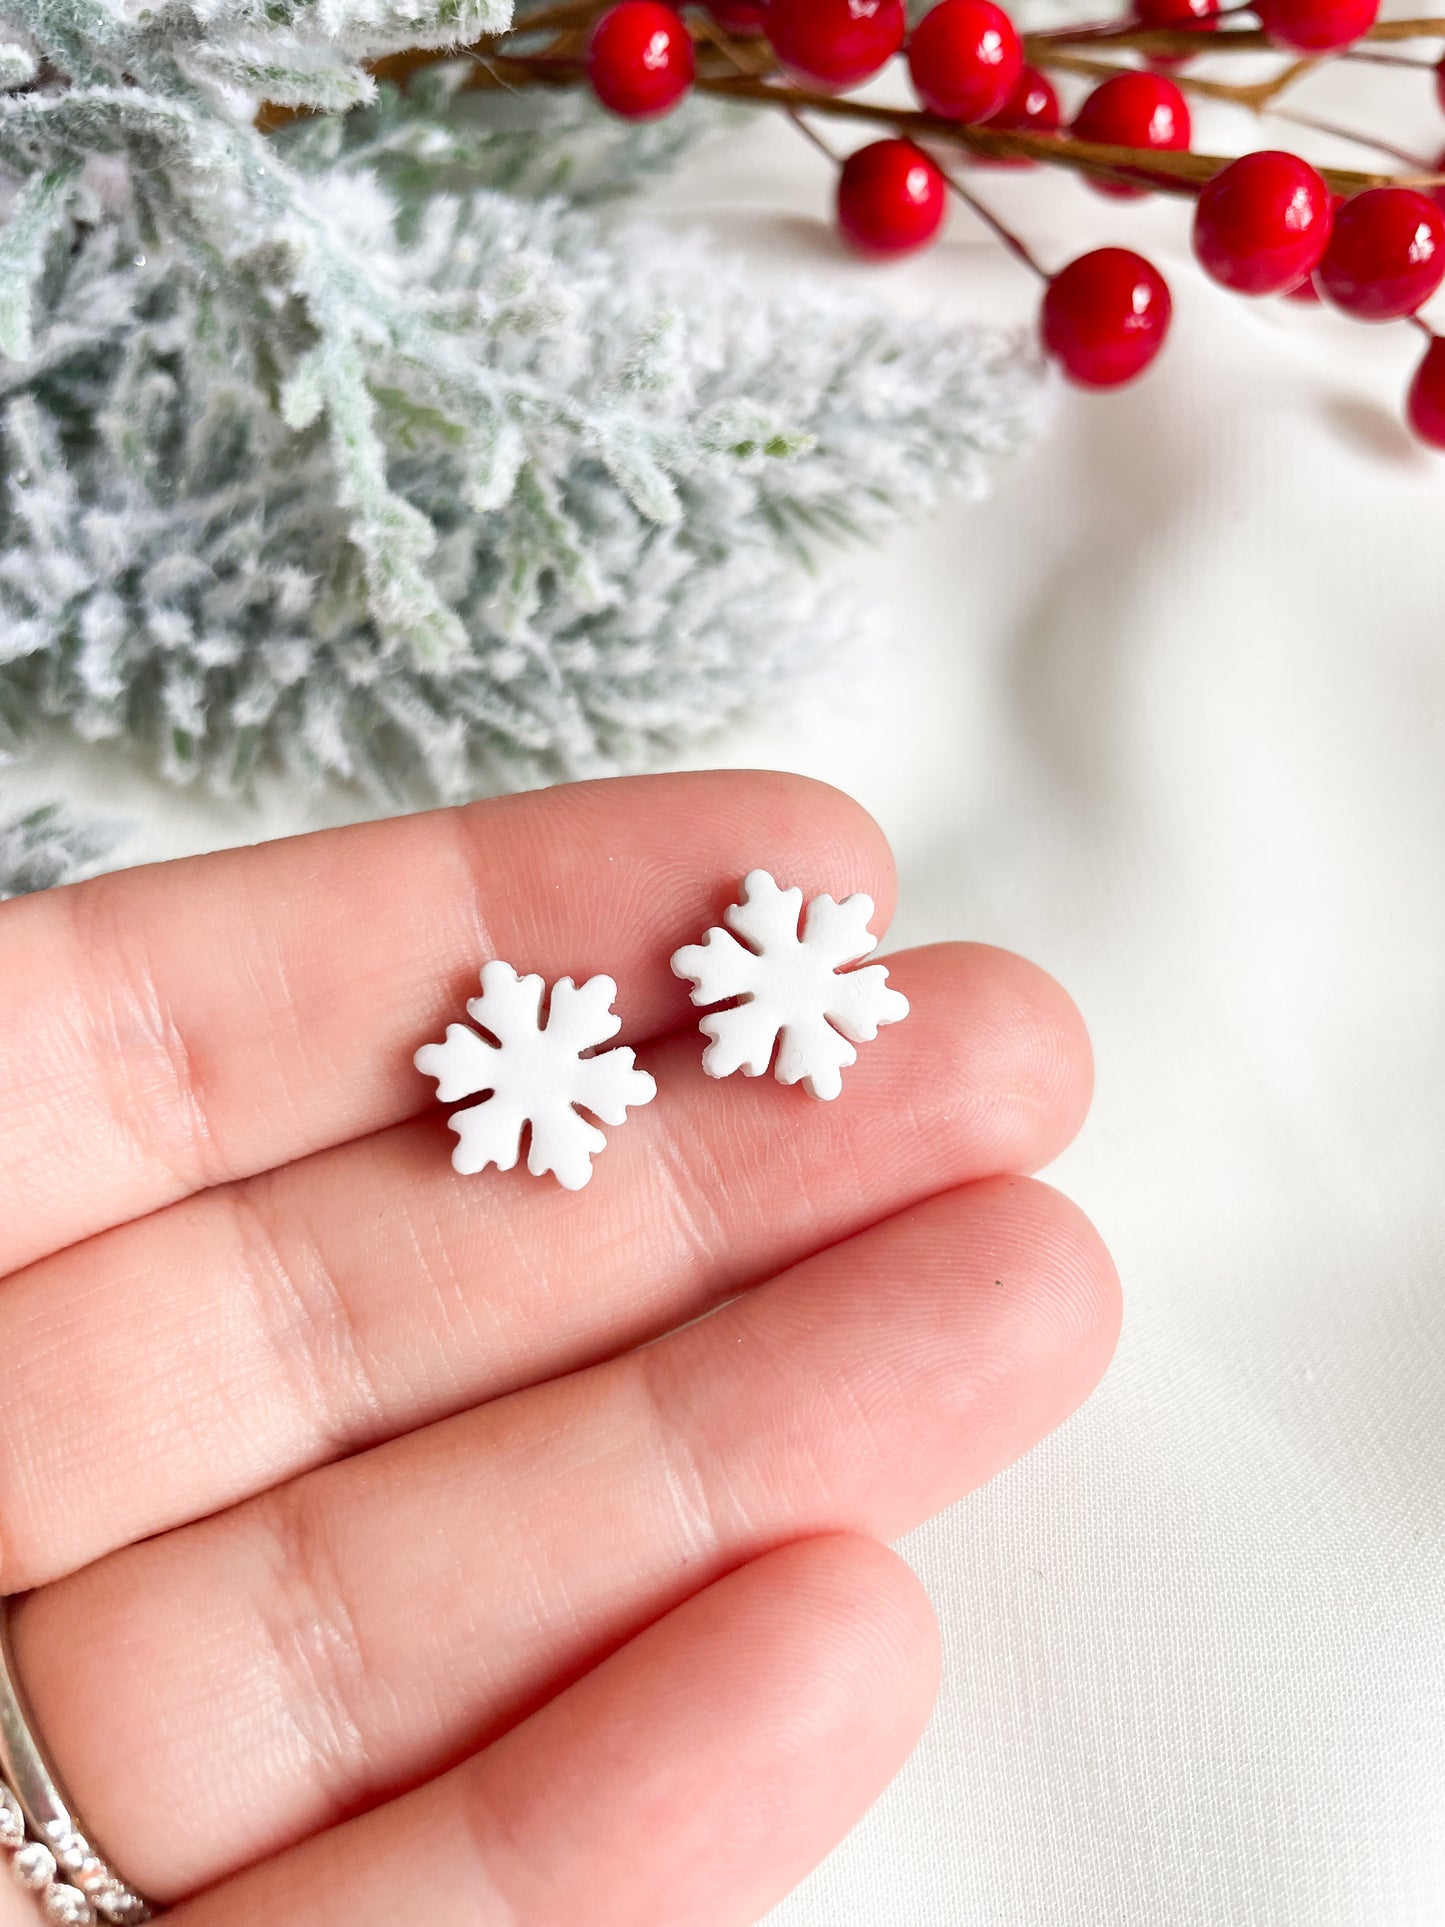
789,991
542,1074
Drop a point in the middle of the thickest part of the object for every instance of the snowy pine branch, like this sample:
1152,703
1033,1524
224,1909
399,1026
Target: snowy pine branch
338,451
175,562
47,846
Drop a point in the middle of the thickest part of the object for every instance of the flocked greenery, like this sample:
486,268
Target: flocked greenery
47,846
369,449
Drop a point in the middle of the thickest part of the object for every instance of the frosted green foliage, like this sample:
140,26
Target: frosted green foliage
17,65
620,561
168,91
324,451
48,846
538,142
36,216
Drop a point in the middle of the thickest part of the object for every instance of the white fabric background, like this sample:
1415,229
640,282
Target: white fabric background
1166,713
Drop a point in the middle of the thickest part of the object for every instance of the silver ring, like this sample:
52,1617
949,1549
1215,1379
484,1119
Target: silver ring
48,1851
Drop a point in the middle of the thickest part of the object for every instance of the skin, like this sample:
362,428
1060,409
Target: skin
401,1545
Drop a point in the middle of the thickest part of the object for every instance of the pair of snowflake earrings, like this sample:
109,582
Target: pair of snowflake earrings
788,990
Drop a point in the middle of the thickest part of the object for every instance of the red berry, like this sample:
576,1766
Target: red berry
835,43
965,59
1261,224
1105,317
891,198
1305,291
1386,254
1425,403
1032,108
1199,16
1177,13
639,59
1134,110
738,16
1316,26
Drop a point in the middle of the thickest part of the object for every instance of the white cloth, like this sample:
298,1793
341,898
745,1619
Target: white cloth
1166,713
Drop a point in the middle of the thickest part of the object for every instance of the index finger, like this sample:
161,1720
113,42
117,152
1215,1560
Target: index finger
172,1028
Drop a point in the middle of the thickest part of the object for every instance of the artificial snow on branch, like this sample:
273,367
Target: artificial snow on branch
43,847
329,454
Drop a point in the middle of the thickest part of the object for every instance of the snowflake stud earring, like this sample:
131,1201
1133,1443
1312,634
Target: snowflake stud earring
531,1072
790,992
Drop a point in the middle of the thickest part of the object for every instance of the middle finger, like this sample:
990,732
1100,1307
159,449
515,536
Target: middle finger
265,1328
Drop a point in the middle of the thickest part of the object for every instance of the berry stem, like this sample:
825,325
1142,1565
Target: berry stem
1168,171
568,15
1337,132
1006,235
710,31
1186,40
1431,27
733,53
1256,95
1152,40
1367,57
813,137
725,71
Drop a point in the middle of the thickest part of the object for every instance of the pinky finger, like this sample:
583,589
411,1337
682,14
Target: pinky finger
696,1775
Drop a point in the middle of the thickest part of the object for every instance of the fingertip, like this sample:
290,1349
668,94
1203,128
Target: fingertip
840,846
860,833
803,832
867,1621
1016,1072
1055,1054
827,1657
1088,1283
1070,1310
987,1316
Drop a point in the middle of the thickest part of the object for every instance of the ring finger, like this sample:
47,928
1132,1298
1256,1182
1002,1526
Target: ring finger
266,1672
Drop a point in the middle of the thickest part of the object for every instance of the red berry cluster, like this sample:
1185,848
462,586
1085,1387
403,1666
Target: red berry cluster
1269,225
1266,225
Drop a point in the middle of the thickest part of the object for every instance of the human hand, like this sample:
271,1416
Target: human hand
379,1568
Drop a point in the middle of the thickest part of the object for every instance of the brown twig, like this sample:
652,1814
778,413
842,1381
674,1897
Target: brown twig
1153,40
565,17
752,56
1255,95
1179,173
730,70
489,70
1017,248
1366,57
1162,171
1337,132
1198,40
1432,28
